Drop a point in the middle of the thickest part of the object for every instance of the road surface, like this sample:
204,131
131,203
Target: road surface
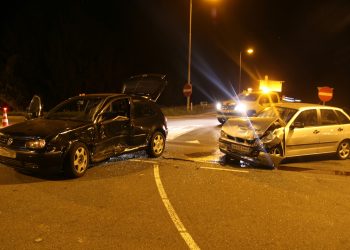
189,198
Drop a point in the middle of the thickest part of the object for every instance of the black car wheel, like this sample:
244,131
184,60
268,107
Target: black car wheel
156,145
77,161
276,151
222,120
343,150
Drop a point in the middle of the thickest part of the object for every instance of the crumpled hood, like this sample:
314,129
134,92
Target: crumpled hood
41,127
248,128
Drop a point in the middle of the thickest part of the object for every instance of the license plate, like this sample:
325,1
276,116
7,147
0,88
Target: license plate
7,153
240,148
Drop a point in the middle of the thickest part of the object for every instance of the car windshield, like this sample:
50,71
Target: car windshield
79,109
248,97
284,113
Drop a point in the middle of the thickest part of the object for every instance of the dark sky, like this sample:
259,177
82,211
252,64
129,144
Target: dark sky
62,48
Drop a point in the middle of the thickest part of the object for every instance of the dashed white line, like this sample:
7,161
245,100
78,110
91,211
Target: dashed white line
172,213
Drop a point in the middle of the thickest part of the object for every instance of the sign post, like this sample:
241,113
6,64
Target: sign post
325,94
187,91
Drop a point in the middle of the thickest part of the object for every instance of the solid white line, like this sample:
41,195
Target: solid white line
224,169
172,213
147,161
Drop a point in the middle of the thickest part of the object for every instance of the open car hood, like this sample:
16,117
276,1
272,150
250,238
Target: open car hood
149,86
248,128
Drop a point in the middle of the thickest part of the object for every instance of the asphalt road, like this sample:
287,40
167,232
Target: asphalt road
189,198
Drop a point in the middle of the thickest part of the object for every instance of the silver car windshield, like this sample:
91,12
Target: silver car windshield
278,112
248,97
79,109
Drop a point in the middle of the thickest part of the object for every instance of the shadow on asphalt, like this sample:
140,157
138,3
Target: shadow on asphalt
104,169
284,166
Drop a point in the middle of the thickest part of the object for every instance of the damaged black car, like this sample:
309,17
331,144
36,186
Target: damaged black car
88,128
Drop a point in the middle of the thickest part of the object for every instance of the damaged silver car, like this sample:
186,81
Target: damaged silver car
287,130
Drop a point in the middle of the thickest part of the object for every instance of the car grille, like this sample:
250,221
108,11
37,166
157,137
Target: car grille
17,142
241,140
228,107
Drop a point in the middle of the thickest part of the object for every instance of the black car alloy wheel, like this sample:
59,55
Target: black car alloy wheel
77,161
156,145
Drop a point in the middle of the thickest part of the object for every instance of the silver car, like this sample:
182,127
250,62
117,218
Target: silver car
287,130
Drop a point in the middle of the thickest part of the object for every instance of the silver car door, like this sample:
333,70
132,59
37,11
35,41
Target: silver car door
303,139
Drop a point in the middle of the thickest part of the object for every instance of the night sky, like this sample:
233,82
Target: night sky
57,49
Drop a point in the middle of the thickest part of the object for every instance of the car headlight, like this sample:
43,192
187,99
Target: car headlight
36,144
241,107
218,105
223,134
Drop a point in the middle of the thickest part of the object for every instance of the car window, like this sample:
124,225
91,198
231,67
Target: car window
328,117
143,109
81,108
343,119
284,113
248,97
116,108
264,99
308,118
274,98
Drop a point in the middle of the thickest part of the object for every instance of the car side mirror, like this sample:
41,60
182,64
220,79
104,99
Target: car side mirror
34,110
297,125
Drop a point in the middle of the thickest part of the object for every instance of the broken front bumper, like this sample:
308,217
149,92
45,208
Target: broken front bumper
253,154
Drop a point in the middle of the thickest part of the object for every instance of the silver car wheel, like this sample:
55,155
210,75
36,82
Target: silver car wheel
158,144
80,160
276,151
77,160
343,151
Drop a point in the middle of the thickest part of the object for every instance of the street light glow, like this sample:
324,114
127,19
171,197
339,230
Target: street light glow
212,1
250,51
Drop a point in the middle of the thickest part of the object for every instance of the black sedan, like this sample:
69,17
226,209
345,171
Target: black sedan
89,128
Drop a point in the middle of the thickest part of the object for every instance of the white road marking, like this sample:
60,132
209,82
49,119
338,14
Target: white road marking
147,161
193,142
177,131
172,213
225,169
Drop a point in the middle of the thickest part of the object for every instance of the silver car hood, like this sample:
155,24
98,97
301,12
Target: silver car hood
248,128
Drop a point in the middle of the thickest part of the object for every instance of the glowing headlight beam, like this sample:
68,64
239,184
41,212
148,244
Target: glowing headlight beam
35,144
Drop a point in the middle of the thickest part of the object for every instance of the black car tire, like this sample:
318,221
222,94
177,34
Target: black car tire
343,150
222,120
77,160
156,145
276,150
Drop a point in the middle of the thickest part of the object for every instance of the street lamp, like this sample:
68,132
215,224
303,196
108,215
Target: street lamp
249,52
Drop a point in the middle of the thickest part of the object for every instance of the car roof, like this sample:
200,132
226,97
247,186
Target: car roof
303,105
102,94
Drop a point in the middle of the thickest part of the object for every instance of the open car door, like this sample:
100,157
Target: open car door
149,86
34,109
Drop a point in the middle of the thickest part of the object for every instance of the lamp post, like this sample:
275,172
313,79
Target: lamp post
189,54
249,52
190,50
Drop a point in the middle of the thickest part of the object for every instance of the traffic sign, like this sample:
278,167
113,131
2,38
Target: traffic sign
325,93
187,89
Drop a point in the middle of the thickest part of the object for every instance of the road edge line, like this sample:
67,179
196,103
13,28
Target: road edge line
172,213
